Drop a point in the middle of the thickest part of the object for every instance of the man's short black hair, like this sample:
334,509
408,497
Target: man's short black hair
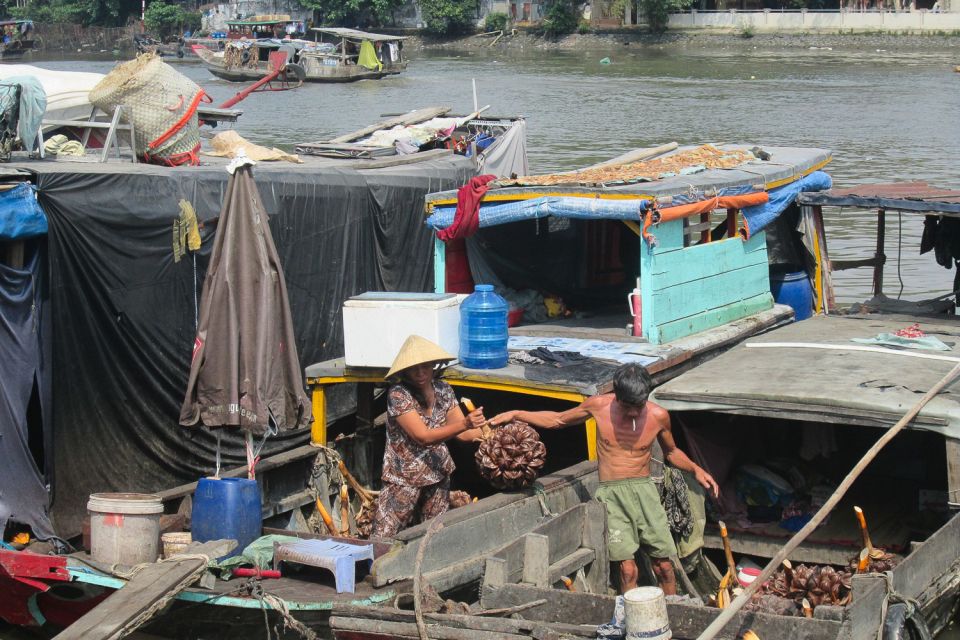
631,385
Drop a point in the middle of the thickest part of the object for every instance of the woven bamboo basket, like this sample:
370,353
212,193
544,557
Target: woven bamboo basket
158,100
175,542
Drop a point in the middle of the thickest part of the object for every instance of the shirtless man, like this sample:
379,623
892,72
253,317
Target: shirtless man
627,426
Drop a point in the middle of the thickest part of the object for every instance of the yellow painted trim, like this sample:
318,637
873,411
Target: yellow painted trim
496,197
318,431
342,379
591,429
530,391
802,174
818,273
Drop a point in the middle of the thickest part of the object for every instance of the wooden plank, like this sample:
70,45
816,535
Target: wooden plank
483,528
692,263
952,450
404,630
396,161
683,327
597,574
863,614
568,565
145,594
710,291
420,115
922,567
494,572
536,559
686,620
669,237
765,547
843,265
563,532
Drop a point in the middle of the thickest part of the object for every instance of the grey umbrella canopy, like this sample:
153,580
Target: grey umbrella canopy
245,370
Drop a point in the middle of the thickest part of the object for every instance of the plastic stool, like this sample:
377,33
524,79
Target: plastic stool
339,557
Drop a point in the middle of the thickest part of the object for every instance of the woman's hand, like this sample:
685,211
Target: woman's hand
503,418
475,419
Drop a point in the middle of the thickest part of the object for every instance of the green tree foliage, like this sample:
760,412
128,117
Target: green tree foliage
658,12
495,21
104,13
163,19
561,18
354,13
448,17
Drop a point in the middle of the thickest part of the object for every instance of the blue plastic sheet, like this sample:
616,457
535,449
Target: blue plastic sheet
20,214
570,207
758,217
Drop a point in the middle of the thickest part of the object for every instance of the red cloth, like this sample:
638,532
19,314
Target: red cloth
467,219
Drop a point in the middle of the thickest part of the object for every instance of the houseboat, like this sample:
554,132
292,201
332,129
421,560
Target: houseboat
17,38
350,56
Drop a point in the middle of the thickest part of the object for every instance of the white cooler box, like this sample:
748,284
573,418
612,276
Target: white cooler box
376,324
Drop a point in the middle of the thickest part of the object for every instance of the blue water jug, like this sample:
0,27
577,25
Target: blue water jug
483,329
226,508
793,288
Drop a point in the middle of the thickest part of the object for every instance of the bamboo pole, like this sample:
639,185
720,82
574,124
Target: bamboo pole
727,614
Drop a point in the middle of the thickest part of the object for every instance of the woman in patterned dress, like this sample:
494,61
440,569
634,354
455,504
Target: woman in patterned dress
422,414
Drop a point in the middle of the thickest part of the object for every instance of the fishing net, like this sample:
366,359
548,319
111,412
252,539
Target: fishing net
160,103
511,458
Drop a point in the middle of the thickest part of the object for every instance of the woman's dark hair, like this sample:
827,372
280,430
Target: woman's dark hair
631,385
438,370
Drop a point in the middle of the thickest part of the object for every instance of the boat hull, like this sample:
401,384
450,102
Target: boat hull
314,70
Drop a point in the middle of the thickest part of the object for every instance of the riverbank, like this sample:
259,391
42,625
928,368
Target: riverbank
639,37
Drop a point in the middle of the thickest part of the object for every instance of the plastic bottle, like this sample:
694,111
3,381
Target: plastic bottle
483,329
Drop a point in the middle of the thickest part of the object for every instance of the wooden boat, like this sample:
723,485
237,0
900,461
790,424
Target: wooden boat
356,55
17,38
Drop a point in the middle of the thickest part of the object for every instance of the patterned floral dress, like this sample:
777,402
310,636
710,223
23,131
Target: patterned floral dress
414,475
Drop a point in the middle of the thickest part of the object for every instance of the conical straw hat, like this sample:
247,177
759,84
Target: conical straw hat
417,350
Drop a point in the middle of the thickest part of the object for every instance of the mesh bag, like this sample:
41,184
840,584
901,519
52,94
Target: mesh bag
160,102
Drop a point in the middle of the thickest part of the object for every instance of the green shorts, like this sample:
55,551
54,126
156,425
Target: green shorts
635,518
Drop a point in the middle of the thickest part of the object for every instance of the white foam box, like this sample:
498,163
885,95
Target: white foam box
376,324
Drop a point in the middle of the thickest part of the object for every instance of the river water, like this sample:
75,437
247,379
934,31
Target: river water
887,114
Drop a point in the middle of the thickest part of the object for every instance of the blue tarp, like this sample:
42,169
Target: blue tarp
571,207
20,214
758,217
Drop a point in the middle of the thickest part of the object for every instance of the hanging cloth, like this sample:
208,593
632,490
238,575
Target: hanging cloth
368,56
466,220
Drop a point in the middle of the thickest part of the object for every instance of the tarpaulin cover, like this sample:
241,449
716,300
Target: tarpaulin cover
24,381
125,311
758,217
20,215
245,371
33,104
587,208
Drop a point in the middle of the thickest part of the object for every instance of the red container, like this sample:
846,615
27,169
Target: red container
514,316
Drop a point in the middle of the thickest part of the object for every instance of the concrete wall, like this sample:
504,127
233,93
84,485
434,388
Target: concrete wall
824,21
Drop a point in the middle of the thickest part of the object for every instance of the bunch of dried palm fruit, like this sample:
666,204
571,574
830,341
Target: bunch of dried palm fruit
512,456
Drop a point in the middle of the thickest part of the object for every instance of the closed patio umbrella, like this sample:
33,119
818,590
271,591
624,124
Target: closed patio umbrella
245,371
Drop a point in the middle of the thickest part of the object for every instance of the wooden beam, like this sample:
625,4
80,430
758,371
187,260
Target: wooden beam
843,265
880,256
597,574
145,594
494,572
952,448
536,559
414,117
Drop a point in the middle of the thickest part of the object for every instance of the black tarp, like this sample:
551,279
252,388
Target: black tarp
24,391
124,311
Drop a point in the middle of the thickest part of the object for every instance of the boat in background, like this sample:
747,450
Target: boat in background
357,55
17,38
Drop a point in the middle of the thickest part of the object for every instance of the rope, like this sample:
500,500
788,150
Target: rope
541,495
127,574
892,595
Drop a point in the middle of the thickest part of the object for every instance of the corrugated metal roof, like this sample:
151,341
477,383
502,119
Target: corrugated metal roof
899,196
357,35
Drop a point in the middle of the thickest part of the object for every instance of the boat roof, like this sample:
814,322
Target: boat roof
813,371
918,197
258,23
4,23
785,165
357,35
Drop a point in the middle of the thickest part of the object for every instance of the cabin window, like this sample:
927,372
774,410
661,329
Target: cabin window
710,227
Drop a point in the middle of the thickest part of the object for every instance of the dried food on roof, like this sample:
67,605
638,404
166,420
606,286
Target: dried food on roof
705,156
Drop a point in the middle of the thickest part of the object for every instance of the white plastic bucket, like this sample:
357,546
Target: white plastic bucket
124,527
645,611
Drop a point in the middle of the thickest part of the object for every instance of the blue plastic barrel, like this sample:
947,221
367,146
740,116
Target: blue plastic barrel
793,288
483,329
226,508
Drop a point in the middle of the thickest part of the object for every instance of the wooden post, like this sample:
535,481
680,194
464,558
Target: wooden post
595,537
536,560
880,257
14,254
953,473
318,431
732,223
495,572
